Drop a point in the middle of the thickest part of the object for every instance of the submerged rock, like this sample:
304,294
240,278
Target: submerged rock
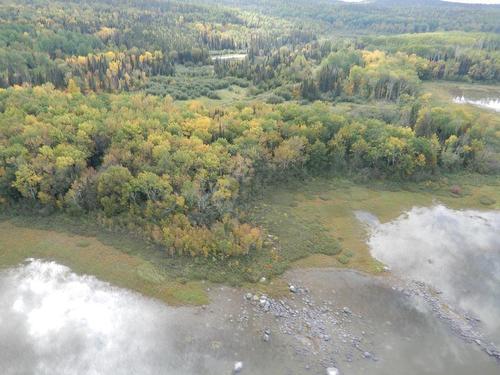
264,303
238,366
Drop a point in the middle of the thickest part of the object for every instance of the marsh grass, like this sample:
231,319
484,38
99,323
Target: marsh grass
315,224
306,224
119,266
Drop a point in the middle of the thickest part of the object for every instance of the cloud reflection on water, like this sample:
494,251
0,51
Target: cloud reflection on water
458,252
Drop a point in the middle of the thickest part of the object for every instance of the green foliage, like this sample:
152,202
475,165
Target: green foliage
74,139
191,83
451,55
176,174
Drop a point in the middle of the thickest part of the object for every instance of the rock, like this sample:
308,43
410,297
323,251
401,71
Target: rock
292,289
367,355
346,310
386,268
263,279
332,371
248,296
255,298
267,335
456,190
264,303
238,366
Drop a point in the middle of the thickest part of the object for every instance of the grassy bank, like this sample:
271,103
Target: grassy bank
88,255
307,224
320,212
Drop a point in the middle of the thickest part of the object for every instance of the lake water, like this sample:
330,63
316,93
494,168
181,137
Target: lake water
230,56
493,103
54,322
456,252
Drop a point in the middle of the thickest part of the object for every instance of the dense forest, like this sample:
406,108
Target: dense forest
94,117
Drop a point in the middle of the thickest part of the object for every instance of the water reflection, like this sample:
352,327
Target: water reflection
54,322
458,252
488,103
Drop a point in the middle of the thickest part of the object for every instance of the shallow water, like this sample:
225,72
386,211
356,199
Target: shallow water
55,322
488,103
400,330
456,252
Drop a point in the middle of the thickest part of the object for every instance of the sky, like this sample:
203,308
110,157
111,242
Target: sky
453,1
475,1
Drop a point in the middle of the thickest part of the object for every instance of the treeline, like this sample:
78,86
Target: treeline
108,71
379,16
176,175
451,56
100,45
380,68
345,74
118,71
367,75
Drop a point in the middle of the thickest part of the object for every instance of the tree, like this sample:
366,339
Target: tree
114,189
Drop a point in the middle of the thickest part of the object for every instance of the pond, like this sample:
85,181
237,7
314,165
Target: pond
488,103
230,56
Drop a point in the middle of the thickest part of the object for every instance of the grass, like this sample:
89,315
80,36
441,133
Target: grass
307,224
125,261
315,221
88,255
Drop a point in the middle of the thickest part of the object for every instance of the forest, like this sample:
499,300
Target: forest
165,118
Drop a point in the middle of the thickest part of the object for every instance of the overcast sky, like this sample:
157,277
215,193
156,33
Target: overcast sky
475,1
453,1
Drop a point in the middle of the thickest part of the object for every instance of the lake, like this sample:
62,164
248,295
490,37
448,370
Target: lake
53,321
455,252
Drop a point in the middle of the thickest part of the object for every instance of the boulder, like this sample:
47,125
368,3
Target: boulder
332,371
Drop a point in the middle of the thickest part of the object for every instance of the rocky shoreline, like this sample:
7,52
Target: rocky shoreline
461,323
327,335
